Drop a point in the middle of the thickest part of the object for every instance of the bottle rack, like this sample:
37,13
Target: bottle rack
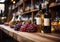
23,4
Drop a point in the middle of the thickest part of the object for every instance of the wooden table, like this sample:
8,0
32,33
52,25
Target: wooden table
30,37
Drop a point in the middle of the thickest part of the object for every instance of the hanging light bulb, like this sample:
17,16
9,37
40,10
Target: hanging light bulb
14,2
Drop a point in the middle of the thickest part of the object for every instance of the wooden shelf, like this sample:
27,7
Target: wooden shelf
51,6
30,11
22,5
34,10
54,4
21,2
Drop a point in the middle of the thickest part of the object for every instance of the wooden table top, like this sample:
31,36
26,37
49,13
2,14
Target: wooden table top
31,37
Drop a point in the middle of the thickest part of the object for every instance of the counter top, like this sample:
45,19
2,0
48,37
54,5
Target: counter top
30,37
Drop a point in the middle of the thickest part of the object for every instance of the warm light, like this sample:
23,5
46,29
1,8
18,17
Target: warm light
52,29
13,2
59,22
55,23
3,18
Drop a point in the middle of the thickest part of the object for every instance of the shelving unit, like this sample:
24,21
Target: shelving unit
21,5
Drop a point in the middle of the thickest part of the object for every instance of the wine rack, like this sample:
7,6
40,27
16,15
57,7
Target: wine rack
21,5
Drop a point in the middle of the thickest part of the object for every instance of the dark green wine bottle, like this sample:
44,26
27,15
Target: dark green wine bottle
47,20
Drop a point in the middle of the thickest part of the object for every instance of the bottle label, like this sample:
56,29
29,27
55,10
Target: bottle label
46,22
38,21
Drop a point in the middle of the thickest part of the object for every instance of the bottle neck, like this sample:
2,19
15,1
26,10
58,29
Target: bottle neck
13,18
40,8
47,7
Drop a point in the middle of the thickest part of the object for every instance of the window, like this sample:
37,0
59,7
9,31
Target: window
2,0
2,6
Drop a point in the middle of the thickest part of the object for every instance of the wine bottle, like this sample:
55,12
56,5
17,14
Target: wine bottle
39,18
12,22
47,20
